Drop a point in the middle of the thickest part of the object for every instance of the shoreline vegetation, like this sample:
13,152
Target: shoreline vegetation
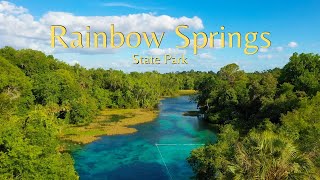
268,122
183,92
43,100
111,122
186,92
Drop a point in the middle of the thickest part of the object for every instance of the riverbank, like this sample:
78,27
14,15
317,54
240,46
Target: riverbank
186,92
136,155
181,93
112,122
108,122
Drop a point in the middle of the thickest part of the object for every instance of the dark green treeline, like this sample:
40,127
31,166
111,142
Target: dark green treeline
38,94
269,122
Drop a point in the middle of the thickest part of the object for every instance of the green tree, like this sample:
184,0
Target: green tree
29,149
263,154
303,71
15,88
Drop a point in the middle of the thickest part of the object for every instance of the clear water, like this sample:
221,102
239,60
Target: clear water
136,156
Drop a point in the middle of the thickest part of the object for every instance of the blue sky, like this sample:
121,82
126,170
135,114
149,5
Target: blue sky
294,27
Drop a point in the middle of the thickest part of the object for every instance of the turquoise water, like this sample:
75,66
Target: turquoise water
157,151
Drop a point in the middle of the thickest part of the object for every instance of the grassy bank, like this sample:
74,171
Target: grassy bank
112,122
108,122
186,92
181,93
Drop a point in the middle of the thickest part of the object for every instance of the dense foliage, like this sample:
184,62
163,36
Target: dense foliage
38,94
270,122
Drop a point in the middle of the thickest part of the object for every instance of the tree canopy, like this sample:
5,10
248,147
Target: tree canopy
269,122
39,94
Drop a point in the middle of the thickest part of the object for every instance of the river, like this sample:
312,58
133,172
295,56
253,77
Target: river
158,151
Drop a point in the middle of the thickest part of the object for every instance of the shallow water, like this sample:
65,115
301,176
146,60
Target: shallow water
157,151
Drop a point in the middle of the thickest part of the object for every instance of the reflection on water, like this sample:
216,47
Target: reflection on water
136,156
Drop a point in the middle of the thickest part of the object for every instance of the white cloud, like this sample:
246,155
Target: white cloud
205,56
126,5
9,8
120,4
160,52
275,49
279,49
74,62
266,56
19,28
128,23
263,50
120,65
293,44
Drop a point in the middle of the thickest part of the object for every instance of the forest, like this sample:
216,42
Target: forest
268,121
39,94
